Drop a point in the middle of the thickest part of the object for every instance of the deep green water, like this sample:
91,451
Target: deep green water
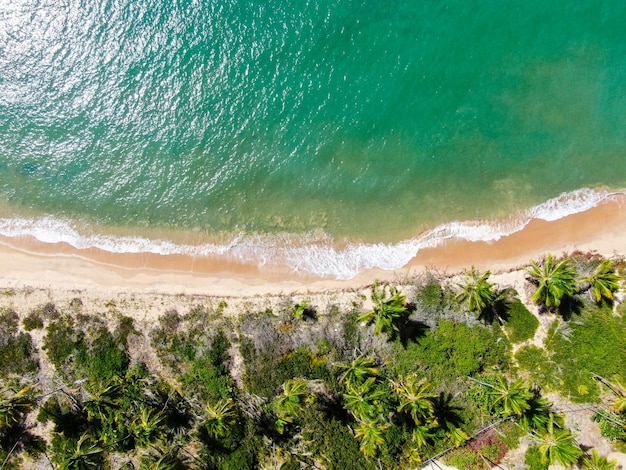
359,119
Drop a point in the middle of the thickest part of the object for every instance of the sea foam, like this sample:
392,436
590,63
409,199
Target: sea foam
315,255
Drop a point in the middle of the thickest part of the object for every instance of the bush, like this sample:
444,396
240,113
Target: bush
207,374
265,372
521,325
104,357
593,344
33,321
331,440
62,340
532,459
451,351
481,453
539,368
16,348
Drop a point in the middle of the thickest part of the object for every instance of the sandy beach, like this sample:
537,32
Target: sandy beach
145,286
29,263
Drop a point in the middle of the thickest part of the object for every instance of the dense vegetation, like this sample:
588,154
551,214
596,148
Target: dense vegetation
449,371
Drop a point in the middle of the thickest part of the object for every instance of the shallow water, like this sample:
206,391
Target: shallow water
268,125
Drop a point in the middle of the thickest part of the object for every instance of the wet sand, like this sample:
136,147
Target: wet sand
27,262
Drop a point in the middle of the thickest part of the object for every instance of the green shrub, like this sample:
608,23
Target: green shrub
533,460
451,351
538,367
466,459
327,437
521,325
62,340
103,358
510,435
592,344
32,321
265,372
207,374
430,295
16,348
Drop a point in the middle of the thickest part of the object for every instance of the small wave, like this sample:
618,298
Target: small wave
317,255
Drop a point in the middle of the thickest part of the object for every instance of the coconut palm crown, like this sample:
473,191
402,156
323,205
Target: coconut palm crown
603,282
477,291
387,308
554,280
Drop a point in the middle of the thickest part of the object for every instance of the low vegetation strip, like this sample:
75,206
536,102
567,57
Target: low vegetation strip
429,369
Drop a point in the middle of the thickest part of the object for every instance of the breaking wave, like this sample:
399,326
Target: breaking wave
317,255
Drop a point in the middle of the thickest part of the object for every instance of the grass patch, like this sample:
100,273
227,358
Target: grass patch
594,343
536,365
521,325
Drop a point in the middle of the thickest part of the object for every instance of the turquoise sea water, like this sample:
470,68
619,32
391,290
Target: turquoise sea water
319,121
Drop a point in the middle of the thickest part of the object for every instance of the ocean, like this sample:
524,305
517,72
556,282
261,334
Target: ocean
332,135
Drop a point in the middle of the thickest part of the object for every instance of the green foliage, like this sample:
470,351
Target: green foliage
82,454
596,461
62,340
521,325
557,444
104,356
388,308
477,291
554,280
206,373
510,435
603,282
351,330
533,459
609,427
485,451
290,403
468,350
358,371
16,349
33,321
594,344
511,398
430,295
301,311
536,365
265,372
330,439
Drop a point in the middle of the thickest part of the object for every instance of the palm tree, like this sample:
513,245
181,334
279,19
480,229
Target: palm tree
386,309
102,402
597,462
84,456
220,419
557,445
414,399
358,370
603,282
162,459
365,401
148,427
290,403
420,437
554,281
13,408
370,434
511,398
477,291
537,415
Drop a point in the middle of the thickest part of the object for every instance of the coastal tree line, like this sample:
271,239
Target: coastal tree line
447,370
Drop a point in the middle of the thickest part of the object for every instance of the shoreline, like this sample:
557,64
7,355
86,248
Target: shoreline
28,262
